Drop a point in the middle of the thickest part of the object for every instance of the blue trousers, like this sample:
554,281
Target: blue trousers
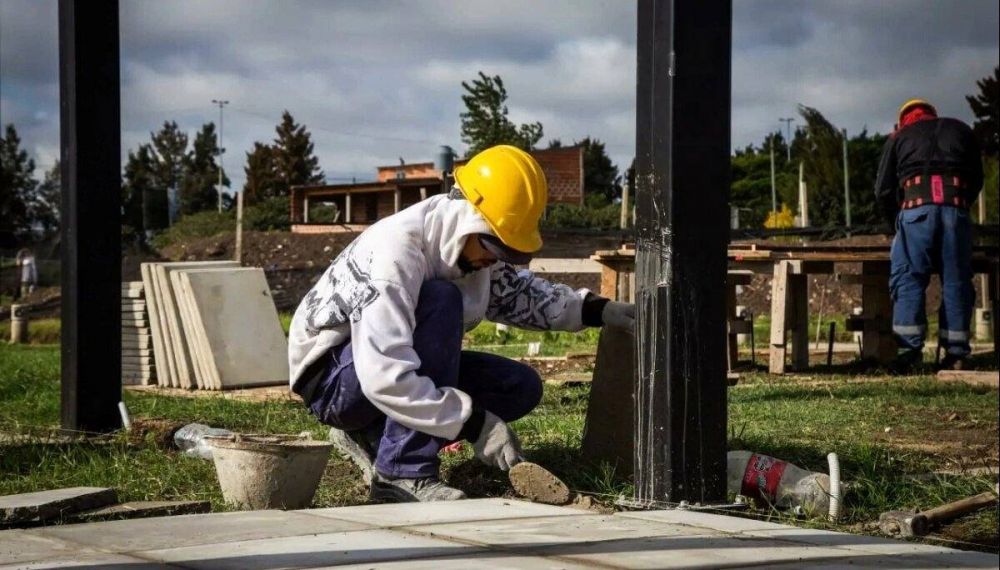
932,238
503,386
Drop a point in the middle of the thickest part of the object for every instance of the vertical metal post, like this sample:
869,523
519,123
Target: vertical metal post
684,52
89,103
625,205
239,225
847,184
774,187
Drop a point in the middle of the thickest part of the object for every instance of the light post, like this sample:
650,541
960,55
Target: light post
221,104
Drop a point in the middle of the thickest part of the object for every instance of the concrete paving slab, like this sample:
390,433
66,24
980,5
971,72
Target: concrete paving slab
204,371
371,547
44,505
245,341
530,533
478,560
722,523
408,514
89,561
192,530
17,546
143,509
155,313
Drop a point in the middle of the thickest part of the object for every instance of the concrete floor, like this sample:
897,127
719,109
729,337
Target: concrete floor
480,534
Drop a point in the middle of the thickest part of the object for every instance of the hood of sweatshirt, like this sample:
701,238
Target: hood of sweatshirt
448,222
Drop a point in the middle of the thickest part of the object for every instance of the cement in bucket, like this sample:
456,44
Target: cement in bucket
269,472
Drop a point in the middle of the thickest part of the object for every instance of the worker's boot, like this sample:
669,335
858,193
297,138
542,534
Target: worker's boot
389,490
953,362
355,446
905,361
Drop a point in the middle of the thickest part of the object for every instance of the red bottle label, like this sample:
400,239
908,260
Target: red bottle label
761,478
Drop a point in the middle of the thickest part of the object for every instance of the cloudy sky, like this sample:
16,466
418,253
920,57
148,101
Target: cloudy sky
377,80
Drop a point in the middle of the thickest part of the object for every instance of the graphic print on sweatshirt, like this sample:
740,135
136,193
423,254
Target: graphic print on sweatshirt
520,299
341,294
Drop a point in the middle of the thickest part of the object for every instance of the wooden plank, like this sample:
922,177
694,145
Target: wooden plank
877,341
779,313
799,294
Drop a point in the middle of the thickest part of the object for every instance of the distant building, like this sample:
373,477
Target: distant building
399,186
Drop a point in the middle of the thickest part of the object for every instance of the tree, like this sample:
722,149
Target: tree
294,160
199,187
600,175
986,107
170,154
485,122
17,183
46,203
262,176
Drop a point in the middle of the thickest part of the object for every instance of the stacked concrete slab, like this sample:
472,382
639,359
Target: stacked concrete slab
214,325
138,360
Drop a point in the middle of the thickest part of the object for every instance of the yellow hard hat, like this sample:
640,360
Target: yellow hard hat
507,186
911,103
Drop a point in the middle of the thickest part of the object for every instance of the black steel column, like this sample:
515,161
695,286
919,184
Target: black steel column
682,162
91,214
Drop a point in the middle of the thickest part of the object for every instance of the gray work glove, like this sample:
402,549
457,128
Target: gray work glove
497,444
621,315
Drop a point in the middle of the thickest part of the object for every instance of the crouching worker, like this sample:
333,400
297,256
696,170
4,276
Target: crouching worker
375,348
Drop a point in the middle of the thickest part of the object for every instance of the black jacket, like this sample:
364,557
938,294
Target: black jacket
934,146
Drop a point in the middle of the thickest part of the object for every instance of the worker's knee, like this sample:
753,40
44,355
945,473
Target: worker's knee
529,392
440,299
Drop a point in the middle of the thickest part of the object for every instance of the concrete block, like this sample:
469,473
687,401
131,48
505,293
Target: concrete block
138,342
45,505
203,373
193,530
135,352
235,314
405,514
143,509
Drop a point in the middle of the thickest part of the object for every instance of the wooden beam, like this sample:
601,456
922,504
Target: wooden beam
90,132
682,229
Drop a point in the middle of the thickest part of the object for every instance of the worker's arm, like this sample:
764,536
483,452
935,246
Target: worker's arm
887,184
524,300
386,364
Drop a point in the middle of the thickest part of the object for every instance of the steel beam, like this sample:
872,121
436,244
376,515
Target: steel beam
682,162
89,103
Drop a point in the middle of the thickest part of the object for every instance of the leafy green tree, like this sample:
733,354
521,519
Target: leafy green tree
485,122
294,160
600,175
261,174
986,106
199,186
144,200
17,183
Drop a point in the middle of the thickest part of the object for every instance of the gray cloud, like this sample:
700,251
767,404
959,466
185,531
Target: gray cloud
376,80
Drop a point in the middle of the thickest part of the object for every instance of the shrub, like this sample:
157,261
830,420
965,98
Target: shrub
267,215
199,225
568,216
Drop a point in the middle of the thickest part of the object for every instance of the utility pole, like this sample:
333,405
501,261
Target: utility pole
847,183
221,104
803,198
625,205
774,191
788,130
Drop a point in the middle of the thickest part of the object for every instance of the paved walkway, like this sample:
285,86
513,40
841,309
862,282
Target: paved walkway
476,534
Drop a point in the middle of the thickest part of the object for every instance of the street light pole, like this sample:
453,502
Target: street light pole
221,104
847,183
788,130
774,191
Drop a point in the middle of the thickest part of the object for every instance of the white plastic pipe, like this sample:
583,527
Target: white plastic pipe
835,492
126,422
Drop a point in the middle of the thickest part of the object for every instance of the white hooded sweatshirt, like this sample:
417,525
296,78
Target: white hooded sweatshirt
369,295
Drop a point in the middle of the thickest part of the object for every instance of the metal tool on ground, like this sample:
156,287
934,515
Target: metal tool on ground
906,524
538,484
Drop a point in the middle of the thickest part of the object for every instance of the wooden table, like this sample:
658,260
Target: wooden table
790,267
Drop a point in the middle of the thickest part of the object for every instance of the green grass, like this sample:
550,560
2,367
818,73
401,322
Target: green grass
797,419
40,331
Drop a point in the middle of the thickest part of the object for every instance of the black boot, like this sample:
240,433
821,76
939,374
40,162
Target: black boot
905,361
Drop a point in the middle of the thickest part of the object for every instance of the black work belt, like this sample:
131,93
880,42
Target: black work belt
934,189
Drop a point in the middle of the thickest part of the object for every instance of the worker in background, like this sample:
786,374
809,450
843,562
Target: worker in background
375,348
930,173
27,272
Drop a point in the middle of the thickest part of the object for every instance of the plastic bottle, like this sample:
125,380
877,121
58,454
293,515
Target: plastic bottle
779,483
191,440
